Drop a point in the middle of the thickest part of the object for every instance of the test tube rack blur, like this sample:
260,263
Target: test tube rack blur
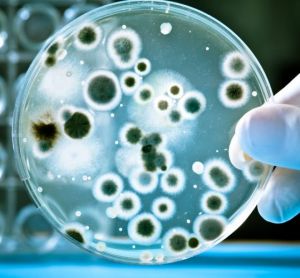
24,26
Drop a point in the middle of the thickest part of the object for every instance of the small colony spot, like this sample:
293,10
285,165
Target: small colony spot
88,37
142,67
130,134
235,65
192,104
176,241
142,181
76,231
213,202
144,229
130,81
254,170
163,208
144,94
163,104
102,90
218,175
175,91
50,61
173,182
209,227
175,117
234,94
108,187
78,125
124,47
127,205
166,28
193,242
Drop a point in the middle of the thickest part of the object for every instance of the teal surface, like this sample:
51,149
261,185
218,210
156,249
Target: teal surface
226,260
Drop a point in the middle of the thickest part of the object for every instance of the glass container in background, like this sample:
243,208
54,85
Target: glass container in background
34,24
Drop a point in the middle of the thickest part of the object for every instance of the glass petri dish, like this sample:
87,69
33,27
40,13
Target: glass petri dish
35,23
131,123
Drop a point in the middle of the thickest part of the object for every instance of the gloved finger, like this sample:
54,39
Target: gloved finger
281,199
271,134
290,94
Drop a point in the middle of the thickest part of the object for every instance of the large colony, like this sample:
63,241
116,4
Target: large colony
144,164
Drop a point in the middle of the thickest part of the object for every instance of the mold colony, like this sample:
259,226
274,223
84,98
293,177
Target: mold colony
127,142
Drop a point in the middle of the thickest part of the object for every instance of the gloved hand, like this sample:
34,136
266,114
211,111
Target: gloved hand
271,134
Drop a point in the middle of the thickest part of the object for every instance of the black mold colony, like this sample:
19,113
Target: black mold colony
46,134
76,235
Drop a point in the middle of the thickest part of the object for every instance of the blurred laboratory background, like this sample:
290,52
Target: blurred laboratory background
269,28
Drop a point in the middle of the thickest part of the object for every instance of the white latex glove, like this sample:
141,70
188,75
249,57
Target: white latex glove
271,134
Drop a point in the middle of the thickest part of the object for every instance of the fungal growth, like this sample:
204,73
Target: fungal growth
163,208
108,187
124,47
76,232
235,65
176,240
77,125
234,94
144,229
88,37
128,204
213,202
173,182
218,176
45,132
125,127
209,228
142,67
102,91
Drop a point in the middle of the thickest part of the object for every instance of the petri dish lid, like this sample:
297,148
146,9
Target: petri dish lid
126,127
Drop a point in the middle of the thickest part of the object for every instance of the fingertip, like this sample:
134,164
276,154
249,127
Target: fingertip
280,201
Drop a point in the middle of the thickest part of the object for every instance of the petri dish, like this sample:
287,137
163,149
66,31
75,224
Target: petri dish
133,122
35,23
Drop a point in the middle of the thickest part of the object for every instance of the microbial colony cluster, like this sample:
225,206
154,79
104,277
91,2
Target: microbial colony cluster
125,130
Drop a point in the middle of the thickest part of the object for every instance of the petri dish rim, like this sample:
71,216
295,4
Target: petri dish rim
150,6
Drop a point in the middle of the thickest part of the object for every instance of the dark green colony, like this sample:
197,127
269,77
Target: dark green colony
211,229
109,187
193,242
237,64
178,243
175,116
192,105
145,228
77,126
102,89
130,81
214,202
87,35
234,91
133,135
52,50
123,47
219,177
